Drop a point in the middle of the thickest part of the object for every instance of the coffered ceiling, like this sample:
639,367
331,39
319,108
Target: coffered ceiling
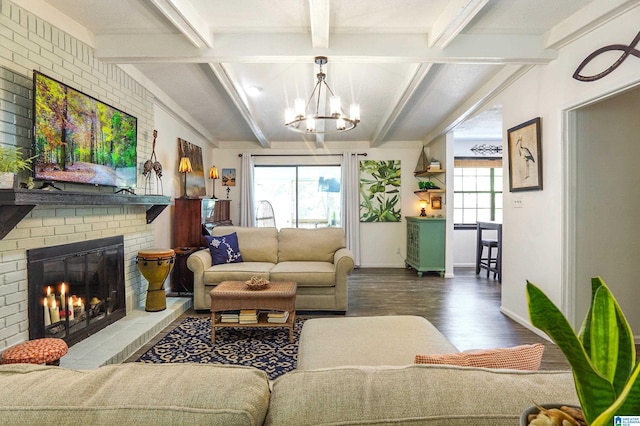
417,68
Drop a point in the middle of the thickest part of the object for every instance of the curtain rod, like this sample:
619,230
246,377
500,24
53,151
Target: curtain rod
300,155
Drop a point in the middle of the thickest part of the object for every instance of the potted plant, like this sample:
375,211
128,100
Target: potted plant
602,356
11,162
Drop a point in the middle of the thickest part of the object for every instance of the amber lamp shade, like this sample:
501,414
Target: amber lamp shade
184,168
213,175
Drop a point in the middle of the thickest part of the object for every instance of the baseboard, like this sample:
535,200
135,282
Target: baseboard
523,322
526,324
464,265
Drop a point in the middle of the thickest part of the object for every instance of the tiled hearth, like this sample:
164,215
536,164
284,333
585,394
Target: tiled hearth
116,342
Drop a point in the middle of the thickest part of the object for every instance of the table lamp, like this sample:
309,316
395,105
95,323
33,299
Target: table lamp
423,206
213,175
184,168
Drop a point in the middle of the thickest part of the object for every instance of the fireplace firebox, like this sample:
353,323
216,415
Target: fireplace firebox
75,289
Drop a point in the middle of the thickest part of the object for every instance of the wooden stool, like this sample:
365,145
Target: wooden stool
40,351
490,262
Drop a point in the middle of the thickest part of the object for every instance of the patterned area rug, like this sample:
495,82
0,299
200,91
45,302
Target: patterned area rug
265,348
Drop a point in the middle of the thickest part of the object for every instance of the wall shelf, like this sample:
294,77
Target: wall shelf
429,172
425,194
16,204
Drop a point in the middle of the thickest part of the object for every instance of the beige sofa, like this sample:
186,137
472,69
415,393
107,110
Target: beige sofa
368,394
315,258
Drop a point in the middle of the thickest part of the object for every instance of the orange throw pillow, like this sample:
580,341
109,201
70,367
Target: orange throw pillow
524,357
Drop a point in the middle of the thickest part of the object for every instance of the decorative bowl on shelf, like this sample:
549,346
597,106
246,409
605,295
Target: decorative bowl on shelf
256,283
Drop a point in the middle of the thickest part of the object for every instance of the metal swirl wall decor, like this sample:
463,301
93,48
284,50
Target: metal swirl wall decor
626,51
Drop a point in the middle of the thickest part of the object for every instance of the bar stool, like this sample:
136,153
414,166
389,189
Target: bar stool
490,262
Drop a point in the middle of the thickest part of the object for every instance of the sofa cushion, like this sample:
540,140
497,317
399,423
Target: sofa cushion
236,272
306,274
133,393
416,394
256,244
376,340
309,244
224,249
523,357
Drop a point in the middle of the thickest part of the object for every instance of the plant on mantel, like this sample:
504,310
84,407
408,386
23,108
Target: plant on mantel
11,160
602,356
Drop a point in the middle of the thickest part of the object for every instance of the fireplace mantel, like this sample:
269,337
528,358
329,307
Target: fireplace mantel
16,204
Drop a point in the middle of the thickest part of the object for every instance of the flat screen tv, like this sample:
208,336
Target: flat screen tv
80,139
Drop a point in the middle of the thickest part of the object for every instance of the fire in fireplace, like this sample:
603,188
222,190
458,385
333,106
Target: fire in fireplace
75,289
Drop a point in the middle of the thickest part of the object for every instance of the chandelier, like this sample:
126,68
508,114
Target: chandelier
299,119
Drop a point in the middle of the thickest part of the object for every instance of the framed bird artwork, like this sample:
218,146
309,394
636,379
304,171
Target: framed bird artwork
525,156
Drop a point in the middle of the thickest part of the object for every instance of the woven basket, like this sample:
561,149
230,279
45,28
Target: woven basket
257,284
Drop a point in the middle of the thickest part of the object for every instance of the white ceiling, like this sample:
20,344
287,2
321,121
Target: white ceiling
417,68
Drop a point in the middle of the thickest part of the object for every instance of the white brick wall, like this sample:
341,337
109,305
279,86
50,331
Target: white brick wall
27,43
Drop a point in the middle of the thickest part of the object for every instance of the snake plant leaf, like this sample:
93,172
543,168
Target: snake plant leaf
627,404
604,334
585,330
595,392
625,358
630,396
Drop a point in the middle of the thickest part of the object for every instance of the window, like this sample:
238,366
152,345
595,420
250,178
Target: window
477,195
301,196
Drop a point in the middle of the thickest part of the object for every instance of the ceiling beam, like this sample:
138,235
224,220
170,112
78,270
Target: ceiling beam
319,17
387,122
187,20
352,48
590,17
453,19
240,103
499,82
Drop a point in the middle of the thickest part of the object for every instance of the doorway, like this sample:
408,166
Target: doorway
602,182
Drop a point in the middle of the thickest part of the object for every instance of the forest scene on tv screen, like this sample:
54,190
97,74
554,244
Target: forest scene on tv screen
80,139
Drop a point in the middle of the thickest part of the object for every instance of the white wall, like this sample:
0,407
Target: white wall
169,130
533,235
464,247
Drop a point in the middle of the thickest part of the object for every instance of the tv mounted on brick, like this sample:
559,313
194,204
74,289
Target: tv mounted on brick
80,139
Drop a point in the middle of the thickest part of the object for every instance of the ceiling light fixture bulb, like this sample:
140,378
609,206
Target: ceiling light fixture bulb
299,114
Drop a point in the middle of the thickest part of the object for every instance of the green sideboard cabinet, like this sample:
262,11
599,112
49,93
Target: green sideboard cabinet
426,244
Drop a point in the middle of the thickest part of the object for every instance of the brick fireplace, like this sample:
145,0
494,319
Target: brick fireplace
75,290
32,43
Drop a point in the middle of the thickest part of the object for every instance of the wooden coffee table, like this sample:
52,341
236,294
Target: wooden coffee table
234,295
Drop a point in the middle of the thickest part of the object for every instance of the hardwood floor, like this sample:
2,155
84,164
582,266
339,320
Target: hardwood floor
466,309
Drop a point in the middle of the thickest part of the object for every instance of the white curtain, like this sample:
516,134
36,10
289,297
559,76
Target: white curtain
351,203
247,209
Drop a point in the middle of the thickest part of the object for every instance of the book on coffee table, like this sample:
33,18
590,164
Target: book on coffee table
230,316
278,316
248,316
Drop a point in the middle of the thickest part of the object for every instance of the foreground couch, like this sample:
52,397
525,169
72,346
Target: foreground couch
314,258
368,394
201,394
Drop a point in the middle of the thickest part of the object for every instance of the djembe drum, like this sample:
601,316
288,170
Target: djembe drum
156,264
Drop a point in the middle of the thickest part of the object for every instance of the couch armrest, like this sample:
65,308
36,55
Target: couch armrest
343,259
198,262
344,264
